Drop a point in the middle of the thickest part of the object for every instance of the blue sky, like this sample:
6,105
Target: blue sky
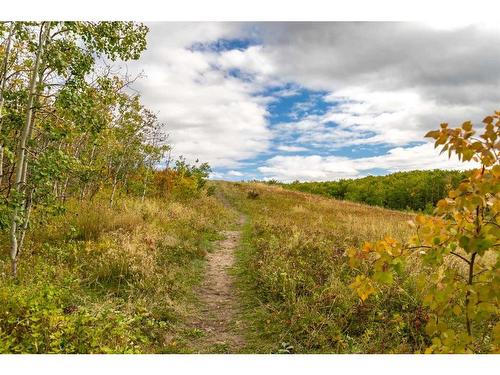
316,101
290,103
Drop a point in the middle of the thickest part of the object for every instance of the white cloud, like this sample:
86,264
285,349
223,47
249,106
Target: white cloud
250,60
368,117
387,83
385,56
420,157
394,81
285,148
207,114
234,173
328,168
308,168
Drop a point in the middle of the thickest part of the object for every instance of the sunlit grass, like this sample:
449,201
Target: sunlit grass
295,278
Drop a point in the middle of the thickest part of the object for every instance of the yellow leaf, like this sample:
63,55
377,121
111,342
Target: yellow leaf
488,120
433,134
390,241
420,219
351,252
467,126
457,310
367,247
363,287
496,170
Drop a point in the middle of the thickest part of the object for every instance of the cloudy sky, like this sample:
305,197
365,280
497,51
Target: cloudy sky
316,101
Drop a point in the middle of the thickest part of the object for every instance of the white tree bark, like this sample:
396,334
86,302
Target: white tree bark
20,177
3,81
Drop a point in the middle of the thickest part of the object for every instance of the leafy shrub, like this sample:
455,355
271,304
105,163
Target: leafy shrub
211,190
458,247
45,319
184,180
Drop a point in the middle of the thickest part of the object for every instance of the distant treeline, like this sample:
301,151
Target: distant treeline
415,190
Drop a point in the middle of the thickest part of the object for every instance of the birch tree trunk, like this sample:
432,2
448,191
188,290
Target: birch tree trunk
115,183
112,197
3,81
91,163
146,174
21,165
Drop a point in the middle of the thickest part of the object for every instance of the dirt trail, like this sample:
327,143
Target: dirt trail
217,316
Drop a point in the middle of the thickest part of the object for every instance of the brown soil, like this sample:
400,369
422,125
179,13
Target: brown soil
217,316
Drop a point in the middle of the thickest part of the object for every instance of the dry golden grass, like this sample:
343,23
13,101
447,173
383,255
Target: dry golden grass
296,276
349,222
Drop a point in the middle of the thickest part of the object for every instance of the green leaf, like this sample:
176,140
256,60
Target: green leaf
383,277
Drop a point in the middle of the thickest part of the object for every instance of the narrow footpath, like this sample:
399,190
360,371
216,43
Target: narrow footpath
217,318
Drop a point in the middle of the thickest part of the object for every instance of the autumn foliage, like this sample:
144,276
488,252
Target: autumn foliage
458,249
183,180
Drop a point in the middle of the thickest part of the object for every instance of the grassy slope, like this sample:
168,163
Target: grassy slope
294,277
121,280
109,280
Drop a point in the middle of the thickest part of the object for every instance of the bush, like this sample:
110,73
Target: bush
45,319
252,194
183,181
458,248
211,190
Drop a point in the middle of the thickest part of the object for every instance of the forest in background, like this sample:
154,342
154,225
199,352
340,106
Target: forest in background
414,190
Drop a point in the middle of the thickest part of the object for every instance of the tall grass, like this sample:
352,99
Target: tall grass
295,277
99,279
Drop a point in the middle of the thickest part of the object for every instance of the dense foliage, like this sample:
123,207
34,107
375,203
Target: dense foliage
69,127
459,249
415,190
182,180
109,255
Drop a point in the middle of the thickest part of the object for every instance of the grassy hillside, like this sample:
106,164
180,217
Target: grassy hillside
295,277
97,279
